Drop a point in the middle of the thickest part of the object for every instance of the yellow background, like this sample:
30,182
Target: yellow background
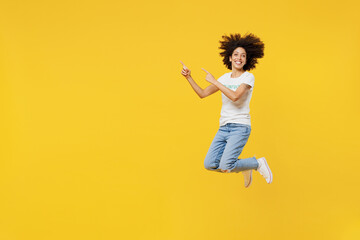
102,138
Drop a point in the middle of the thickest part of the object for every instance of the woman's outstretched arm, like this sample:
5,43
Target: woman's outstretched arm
202,93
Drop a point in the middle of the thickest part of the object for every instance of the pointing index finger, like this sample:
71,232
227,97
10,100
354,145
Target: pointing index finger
183,65
205,70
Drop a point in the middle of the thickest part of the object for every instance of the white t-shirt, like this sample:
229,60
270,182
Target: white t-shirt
239,111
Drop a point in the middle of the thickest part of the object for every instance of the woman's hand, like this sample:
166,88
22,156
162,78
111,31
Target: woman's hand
185,71
210,78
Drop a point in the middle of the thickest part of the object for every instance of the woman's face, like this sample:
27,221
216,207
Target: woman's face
238,58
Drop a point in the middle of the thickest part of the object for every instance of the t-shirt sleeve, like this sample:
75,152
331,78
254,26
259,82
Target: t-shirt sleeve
250,80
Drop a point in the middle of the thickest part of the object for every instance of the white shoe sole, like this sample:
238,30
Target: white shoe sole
267,167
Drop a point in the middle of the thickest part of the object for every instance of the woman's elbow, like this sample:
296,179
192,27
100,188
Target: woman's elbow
202,95
235,99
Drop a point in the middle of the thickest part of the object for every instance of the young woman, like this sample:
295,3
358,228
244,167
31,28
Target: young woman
240,54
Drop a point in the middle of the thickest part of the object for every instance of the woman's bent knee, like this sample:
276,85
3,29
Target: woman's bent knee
226,166
210,166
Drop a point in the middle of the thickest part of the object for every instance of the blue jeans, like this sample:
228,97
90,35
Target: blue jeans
226,147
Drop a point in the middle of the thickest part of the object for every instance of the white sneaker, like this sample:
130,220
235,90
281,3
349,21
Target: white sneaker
264,170
247,177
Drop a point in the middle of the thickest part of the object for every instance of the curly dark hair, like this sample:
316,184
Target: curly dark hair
253,46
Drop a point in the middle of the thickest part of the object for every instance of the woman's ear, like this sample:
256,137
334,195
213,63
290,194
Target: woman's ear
230,58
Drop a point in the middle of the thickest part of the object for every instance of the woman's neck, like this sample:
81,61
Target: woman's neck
237,73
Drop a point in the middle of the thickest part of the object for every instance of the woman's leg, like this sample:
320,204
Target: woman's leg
245,164
236,140
213,156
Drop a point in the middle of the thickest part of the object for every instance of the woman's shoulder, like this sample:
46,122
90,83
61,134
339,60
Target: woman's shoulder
227,74
224,76
250,74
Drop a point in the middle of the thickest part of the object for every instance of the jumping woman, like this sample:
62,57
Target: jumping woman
240,54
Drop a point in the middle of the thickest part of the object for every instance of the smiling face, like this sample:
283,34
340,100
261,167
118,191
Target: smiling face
238,58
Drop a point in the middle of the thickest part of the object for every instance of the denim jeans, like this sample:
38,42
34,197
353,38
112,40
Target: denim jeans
226,147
